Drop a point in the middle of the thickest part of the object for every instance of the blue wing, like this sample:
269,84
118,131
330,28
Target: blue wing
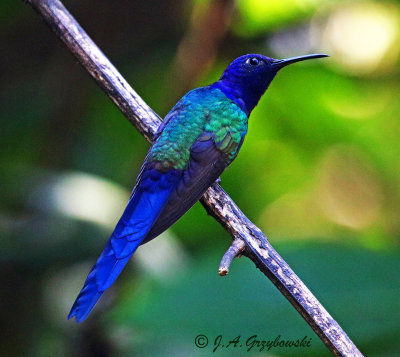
148,200
158,200
206,164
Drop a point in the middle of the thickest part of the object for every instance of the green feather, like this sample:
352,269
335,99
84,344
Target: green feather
201,110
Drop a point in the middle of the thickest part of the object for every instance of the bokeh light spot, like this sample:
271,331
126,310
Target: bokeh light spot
363,37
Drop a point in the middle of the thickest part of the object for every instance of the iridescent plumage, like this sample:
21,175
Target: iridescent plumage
197,140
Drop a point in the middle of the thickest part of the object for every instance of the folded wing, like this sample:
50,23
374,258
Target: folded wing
207,162
161,196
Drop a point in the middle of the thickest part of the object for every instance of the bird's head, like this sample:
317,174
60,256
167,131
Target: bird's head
247,78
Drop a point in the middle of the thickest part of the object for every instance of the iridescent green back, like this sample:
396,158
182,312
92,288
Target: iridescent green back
201,110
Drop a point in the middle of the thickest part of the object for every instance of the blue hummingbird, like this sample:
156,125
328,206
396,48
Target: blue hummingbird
197,140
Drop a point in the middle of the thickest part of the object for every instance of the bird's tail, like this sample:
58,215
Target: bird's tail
102,275
120,247
141,212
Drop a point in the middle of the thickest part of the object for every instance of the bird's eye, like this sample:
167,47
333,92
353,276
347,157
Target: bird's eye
254,61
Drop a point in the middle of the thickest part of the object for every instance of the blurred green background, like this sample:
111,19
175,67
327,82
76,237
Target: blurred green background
319,173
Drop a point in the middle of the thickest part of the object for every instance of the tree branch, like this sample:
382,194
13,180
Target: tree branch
247,237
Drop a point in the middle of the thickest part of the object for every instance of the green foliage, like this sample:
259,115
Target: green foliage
244,303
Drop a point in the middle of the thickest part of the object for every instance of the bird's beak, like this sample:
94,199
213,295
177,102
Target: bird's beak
278,64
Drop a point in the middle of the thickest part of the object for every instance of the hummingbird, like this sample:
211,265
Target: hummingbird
198,139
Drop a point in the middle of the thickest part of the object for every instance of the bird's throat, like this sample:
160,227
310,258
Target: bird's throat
244,95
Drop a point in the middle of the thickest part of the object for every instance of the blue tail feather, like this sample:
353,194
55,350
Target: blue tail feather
142,210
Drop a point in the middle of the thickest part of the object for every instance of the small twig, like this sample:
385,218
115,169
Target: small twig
215,200
233,251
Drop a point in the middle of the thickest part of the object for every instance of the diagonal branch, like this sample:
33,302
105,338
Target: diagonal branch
254,244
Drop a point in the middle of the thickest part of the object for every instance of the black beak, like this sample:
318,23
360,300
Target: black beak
278,64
